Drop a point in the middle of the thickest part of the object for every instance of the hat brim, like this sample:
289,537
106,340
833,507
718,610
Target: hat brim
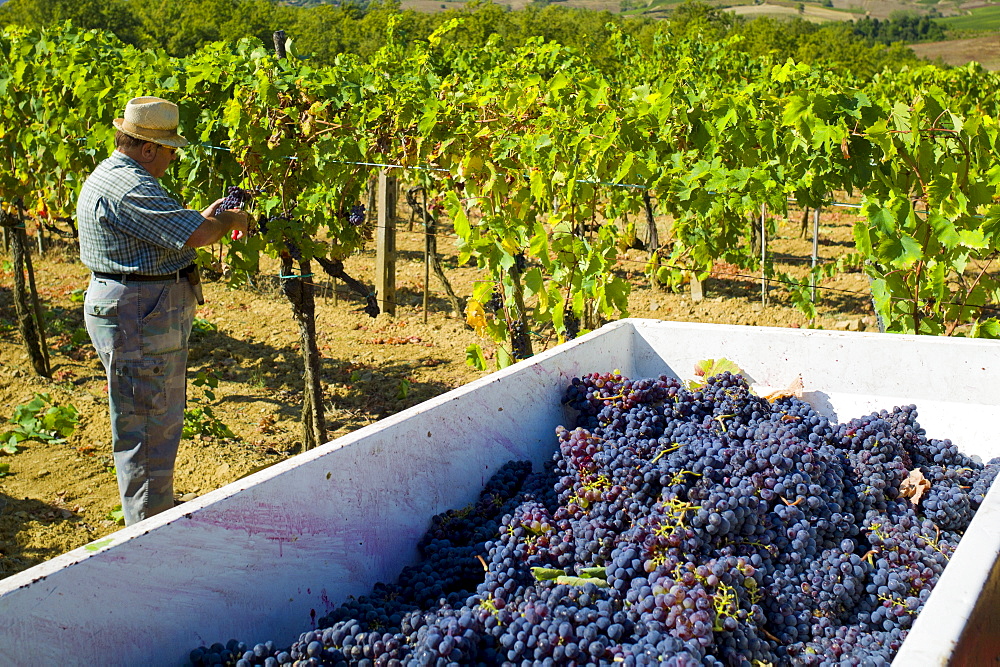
173,141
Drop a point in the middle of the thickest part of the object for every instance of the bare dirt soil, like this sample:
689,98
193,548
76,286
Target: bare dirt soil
58,497
809,12
984,50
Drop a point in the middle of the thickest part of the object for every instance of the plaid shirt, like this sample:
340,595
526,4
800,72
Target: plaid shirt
129,224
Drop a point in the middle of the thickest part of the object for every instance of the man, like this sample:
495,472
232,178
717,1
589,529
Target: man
139,243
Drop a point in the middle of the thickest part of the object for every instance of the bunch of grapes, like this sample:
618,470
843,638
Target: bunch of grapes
236,198
495,304
356,216
673,525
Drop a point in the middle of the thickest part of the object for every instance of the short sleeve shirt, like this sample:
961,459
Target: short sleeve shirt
129,224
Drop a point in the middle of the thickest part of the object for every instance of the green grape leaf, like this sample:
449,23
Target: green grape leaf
594,573
547,573
475,358
581,581
707,368
504,358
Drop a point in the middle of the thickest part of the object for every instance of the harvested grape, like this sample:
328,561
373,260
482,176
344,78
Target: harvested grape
674,524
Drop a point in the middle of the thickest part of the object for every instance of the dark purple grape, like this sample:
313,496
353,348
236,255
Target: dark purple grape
236,198
356,217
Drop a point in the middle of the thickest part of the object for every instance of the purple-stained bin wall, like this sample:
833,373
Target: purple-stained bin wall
262,557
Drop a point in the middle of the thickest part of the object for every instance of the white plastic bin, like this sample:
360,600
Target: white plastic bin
264,556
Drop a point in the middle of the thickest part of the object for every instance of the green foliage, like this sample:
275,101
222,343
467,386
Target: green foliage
39,419
474,357
117,515
931,228
591,575
711,129
707,368
403,389
899,28
837,44
203,326
114,16
201,420
979,19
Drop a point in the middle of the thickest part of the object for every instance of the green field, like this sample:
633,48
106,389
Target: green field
983,18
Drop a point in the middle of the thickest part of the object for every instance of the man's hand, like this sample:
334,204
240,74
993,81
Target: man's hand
235,220
210,211
216,226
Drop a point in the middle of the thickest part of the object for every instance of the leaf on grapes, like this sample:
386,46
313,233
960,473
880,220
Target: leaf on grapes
793,390
707,368
581,581
547,573
914,486
594,573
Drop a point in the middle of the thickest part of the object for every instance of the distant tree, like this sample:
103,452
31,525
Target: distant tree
182,26
901,26
694,17
111,15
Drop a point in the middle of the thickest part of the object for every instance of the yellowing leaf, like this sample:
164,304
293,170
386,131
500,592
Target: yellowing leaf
475,316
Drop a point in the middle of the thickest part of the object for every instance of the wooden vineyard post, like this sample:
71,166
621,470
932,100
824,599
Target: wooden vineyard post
697,289
370,209
29,312
763,254
385,244
40,232
815,256
432,262
427,256
279,43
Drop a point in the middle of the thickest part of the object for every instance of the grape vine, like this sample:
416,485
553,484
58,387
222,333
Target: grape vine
535,153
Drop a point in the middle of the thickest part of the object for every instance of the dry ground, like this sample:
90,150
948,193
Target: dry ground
984,50
58,497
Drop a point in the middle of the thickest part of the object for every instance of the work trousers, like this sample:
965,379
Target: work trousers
140,331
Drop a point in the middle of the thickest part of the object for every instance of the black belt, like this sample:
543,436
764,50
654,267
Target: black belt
138,277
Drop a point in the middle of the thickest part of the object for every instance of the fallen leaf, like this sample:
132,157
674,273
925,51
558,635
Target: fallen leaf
794,389
914,486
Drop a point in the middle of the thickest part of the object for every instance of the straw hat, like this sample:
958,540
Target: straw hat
151,119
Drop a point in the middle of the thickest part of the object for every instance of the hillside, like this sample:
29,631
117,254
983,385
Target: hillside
984,50
813,10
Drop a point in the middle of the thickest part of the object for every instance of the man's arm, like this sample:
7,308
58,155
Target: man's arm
216,226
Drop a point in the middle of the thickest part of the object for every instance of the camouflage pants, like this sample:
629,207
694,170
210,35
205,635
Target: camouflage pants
140,331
